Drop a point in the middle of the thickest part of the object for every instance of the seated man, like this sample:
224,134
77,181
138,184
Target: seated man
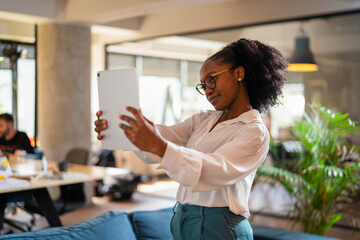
12,140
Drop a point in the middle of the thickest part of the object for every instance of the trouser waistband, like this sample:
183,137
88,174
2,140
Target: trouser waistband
198,210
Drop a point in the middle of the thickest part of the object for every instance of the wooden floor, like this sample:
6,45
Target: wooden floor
164,197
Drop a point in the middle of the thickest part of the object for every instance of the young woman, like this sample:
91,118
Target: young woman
214,154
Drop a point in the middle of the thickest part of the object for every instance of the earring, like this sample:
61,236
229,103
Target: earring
239,79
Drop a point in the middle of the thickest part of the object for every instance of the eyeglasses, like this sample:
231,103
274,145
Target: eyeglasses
210,82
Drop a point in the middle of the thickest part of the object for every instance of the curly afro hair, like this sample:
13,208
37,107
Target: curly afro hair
265,70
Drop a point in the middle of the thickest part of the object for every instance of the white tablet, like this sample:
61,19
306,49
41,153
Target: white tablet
117,89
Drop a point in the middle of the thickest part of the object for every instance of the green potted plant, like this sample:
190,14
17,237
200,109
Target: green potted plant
325,178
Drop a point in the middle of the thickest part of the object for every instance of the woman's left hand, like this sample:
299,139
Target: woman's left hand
143,133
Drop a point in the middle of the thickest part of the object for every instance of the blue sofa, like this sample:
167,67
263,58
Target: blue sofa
142,225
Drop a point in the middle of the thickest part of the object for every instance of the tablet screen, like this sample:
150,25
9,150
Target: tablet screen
117,89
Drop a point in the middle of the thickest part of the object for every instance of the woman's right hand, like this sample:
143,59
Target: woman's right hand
100,125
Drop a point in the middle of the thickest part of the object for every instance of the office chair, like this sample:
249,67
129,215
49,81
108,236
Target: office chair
13,205
78,156
37,155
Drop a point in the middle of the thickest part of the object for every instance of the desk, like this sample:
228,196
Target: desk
84,173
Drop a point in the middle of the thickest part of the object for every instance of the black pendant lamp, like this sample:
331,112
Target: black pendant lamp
302,59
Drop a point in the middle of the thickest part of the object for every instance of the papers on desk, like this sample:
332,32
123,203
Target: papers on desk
25,176
72,175
13,182
50,175
64,175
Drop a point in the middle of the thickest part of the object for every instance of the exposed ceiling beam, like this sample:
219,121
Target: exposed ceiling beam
151,18
102,12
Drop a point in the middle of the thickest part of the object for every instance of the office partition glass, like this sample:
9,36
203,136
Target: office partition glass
334,42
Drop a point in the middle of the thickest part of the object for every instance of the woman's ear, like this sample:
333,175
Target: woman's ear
240,73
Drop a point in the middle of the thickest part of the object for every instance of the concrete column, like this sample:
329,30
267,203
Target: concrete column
63,88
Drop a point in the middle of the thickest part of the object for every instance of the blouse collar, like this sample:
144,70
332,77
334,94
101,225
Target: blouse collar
246,117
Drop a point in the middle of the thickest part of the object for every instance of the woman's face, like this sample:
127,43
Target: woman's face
227,86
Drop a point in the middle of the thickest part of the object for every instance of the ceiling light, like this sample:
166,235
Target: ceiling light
302,59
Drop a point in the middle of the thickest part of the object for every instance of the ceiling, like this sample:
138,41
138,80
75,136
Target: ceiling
327,35
139,19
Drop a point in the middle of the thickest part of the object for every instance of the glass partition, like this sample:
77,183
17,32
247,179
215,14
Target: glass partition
334,42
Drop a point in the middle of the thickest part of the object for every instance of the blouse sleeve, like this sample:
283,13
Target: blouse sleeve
226,166
178,134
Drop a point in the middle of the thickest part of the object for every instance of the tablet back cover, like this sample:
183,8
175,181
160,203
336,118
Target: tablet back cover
117,89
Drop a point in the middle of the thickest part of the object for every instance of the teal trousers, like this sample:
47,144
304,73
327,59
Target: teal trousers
191,222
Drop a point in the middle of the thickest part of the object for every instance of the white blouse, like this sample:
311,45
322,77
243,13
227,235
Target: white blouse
214,168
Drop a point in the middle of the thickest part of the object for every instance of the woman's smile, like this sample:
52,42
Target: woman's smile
213,98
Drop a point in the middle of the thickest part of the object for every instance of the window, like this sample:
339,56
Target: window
166,86
24,104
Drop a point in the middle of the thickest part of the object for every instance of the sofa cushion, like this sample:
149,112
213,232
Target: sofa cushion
269,233
108,226
152,224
